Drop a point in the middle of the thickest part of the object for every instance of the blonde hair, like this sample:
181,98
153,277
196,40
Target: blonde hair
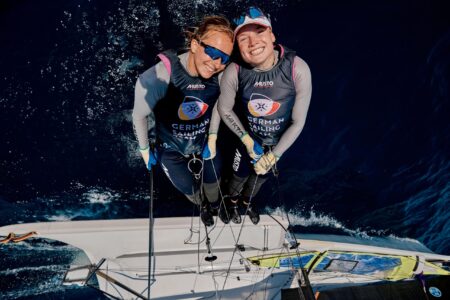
209,23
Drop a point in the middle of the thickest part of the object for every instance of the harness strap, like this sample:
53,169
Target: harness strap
165,60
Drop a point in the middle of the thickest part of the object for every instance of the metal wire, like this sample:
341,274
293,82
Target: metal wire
150,235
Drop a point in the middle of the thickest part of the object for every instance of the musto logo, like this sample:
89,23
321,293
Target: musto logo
261,105
192,108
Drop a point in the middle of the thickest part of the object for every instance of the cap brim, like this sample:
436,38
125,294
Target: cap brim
258,21
249,23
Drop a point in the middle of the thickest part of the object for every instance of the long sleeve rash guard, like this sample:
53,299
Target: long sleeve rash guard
303,88
150,88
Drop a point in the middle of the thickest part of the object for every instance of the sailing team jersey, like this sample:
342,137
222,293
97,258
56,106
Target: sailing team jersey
266,98
184,114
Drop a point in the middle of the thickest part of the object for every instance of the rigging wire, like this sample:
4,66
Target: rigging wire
209,258
272,268
240,232
198,179
303,279
241,229
150,235
222,206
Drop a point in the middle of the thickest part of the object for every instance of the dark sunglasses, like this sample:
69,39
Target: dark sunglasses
215,53
252,12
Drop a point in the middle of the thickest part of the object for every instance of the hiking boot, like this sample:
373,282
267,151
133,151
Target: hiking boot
233,211
206,214
253,213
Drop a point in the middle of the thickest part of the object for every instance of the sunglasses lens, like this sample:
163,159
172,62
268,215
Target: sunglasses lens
215,54
238,21
254,12
224,59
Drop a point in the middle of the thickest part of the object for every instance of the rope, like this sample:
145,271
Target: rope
242,226
199,180
12,237
222,205
196,177
191,230
222,202
302,275
239,235
272,268
226,211
210,258
240,232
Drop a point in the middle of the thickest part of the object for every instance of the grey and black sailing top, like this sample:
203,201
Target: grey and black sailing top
180,106
271,105
265,99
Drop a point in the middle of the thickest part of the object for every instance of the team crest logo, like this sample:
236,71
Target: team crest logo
261,105
192,108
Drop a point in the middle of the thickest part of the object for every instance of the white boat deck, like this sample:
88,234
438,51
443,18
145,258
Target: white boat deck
179,266
180,269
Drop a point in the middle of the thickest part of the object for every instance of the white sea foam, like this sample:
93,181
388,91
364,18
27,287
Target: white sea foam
86,203
37,288
312,218
404,239
97,195
375,238
59,218
84,213
16,271
49,279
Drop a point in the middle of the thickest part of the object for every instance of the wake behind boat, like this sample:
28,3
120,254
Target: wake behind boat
253,262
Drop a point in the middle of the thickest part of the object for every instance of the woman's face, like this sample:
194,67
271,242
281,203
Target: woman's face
256,45
203,64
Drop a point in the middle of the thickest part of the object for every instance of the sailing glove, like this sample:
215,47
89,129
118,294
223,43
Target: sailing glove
149,157
254,149
265,163
209,152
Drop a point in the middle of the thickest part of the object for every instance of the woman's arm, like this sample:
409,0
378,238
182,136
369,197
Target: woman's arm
303,88
151,87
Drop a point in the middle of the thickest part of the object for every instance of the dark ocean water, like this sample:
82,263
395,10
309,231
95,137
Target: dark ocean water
372,161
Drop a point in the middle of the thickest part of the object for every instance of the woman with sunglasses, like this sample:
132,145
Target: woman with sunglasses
264,100
179,96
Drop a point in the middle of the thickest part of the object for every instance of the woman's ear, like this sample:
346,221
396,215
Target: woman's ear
194,46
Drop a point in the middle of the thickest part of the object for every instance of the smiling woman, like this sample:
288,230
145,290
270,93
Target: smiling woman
210,45
271,88
180,93
256,46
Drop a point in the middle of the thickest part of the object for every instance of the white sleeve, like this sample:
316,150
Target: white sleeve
303,89
228,89
151,87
